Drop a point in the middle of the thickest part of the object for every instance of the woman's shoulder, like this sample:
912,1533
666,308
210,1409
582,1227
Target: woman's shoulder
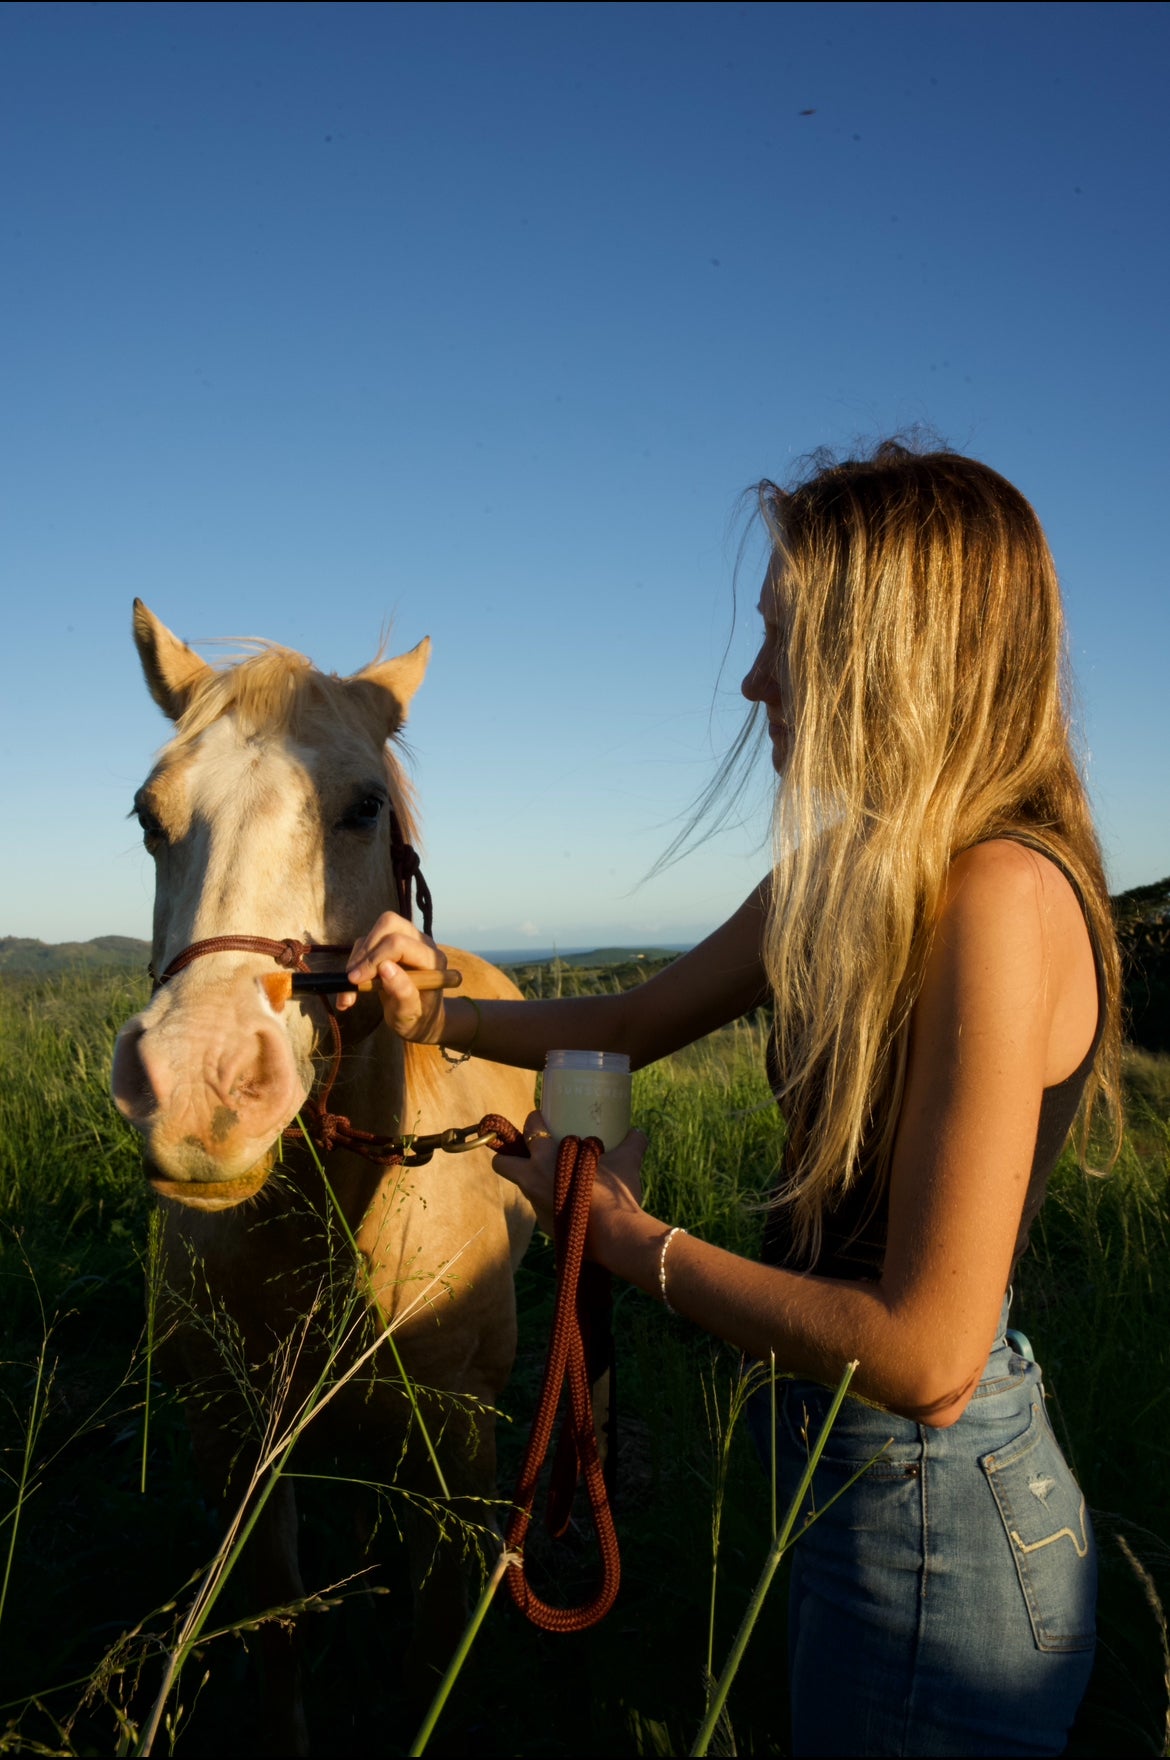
1005,875
1014,913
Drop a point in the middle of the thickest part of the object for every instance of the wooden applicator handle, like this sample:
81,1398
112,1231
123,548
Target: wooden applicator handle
334,983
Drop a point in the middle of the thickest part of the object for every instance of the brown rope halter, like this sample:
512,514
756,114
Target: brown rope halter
580,1341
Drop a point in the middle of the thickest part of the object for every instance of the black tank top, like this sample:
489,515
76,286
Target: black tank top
853,1240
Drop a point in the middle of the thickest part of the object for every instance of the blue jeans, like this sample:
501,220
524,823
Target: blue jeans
945,1604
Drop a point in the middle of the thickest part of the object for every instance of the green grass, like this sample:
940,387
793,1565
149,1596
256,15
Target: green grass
93,1555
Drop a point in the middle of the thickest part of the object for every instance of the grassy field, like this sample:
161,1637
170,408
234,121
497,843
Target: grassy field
87,1557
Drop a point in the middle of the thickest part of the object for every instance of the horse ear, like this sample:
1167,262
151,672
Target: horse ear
172,669
394,682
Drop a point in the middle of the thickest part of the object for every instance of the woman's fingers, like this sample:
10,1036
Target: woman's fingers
387,924
392,944
393,938
540,1140
618,1185
534,1173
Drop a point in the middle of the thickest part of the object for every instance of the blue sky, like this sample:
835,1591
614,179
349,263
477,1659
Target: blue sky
481,317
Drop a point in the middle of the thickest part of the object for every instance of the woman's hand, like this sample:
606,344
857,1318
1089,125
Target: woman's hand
392,944
617,1190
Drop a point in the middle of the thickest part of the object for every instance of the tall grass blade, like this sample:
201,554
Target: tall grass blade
36,1417
154,1277
772,1434
1150,1590
775,1553
455,1666
722,1434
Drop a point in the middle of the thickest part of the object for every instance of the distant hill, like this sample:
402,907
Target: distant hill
597,973
1142,916
1142,904
22,957
606,956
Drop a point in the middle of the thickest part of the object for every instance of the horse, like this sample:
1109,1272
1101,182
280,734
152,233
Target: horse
278,812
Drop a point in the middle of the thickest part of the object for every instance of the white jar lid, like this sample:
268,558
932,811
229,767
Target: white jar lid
610,1062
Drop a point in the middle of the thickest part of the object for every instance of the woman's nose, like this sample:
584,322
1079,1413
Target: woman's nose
758,682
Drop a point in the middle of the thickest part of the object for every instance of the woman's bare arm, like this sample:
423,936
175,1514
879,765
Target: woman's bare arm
1008,1007
714,983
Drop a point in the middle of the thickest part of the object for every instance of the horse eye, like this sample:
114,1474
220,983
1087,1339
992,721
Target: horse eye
364,814
152,832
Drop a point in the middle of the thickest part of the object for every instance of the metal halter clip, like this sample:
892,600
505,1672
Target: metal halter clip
465,1137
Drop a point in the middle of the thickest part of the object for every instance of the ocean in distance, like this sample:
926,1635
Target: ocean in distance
531,956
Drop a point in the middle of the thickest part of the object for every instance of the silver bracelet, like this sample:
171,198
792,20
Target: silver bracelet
662,1252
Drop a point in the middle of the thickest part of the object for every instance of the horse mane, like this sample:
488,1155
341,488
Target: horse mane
272,689
423,1071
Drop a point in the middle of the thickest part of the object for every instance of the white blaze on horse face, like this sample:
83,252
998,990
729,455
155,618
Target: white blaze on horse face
252,862
210,1071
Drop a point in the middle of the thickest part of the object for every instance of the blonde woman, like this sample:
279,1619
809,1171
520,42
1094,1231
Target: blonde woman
935,938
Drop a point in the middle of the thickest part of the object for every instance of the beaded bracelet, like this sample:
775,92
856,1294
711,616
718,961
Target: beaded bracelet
662,1252
464,1056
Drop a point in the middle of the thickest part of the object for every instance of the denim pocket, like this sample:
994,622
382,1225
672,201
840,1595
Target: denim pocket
1048,1529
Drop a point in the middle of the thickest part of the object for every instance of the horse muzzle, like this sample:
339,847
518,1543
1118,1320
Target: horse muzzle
211,1081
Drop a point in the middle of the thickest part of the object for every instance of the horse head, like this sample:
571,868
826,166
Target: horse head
268,814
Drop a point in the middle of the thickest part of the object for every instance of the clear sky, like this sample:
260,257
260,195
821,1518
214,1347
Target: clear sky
481,317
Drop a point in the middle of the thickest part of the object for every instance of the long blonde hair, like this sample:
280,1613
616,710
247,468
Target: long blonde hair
927,701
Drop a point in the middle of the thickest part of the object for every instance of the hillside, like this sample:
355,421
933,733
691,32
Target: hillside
23,957
1143,904
616,956
600,973
1143,929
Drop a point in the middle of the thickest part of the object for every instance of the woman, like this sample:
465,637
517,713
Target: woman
935,937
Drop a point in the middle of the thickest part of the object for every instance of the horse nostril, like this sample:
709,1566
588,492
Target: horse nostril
130,1083
258,1075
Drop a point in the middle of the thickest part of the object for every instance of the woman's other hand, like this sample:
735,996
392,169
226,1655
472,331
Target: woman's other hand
617,1190
386,953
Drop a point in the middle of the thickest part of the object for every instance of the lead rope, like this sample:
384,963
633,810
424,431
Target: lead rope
580,1316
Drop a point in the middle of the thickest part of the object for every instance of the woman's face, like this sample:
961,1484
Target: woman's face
762,683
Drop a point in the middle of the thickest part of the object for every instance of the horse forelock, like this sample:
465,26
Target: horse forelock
276,691
264,690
